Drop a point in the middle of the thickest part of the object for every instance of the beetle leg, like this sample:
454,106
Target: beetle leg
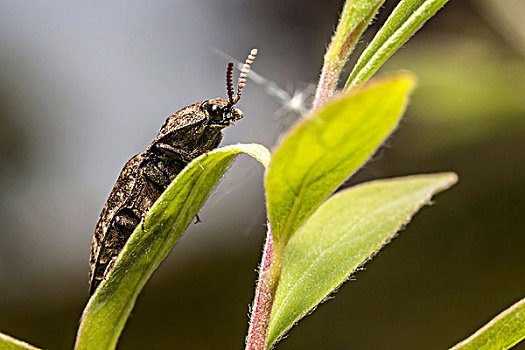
216,142
155,180
109,267
126,221
174,152
143,220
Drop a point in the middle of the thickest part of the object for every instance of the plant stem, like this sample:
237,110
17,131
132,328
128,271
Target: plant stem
355,17
327,83
269,272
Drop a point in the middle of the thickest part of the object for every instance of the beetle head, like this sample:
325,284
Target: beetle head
222,112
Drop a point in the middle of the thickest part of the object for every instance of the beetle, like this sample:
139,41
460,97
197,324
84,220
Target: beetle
185,135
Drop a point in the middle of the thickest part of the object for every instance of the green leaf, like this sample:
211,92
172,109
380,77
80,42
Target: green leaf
405,20
346,232
108,309
502,332
327,147
9,343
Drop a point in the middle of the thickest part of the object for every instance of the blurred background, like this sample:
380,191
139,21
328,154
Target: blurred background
86,85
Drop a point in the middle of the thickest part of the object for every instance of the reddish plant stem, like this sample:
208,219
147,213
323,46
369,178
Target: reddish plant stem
343,42
327,84
264,296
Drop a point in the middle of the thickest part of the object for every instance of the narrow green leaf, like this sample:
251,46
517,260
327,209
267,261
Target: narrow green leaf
502,332
327,147
9,343
405,20
340,237
108,309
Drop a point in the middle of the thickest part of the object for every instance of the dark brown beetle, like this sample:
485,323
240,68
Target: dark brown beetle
183,137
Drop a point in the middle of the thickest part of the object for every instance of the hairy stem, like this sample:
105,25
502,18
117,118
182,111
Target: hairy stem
355,17
269,272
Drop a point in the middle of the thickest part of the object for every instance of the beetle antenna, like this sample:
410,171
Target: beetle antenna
244,73
229,82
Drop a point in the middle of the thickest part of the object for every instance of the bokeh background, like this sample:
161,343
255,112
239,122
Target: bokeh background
85,85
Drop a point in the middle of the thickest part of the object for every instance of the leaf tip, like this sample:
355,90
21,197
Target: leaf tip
449,179
409,78
403,78
404,82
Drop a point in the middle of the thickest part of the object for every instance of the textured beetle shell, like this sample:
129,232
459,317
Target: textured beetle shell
189,131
